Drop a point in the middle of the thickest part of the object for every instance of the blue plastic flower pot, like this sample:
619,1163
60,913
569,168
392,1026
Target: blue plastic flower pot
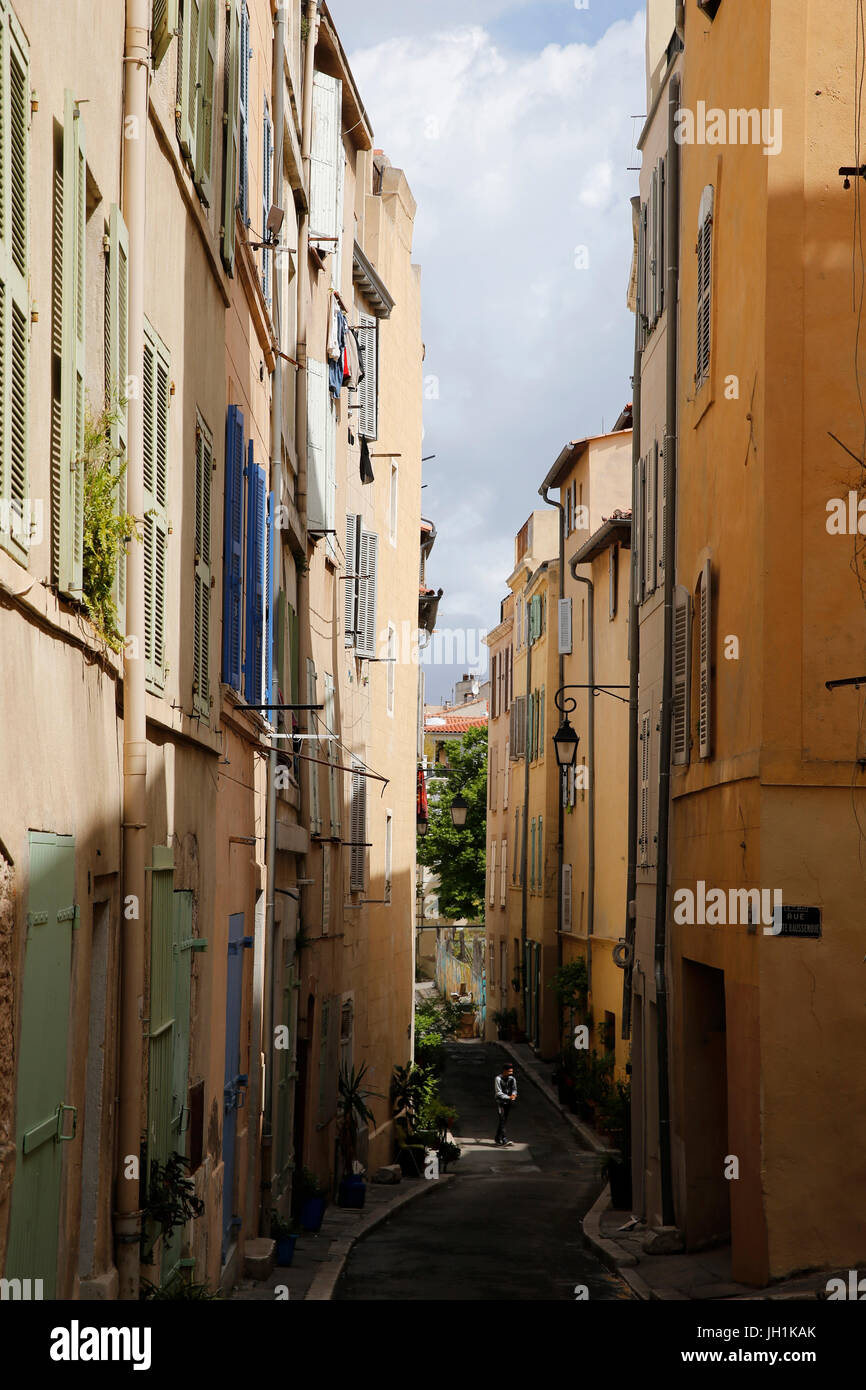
353,1192
285,1250
313,1213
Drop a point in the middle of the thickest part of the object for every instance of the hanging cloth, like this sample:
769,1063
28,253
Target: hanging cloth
336,364
366,465
353,361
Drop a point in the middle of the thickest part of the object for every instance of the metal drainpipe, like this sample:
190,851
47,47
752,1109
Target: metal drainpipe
634,671
560,809
276,469
590,766
671,302
127,1216
303,588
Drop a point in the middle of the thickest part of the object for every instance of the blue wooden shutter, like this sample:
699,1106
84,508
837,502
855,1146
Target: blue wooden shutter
269,609
255,596
202,581
233,547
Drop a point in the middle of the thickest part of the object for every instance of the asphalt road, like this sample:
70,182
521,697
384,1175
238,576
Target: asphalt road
508,1227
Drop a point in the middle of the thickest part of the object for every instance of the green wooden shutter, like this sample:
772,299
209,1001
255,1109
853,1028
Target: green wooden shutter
161,1012
201,616
71,499
539,841
206,100
231,123
14,290
163,28
116,364
156,385
187,80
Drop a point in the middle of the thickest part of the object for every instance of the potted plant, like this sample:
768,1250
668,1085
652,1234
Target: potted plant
506,1023
352,1111
312,1202
285,1237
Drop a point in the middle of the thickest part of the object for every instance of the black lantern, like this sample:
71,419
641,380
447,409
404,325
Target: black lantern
421,826
565,742
459,808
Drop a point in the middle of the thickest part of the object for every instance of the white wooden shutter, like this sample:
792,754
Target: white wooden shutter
164,27
565,634
566,898
311,748
358,832
318,436
651,469
326,167
368,391
706,660
681,674
368,586
15,502
643,810
503,875
73,369
491,874
350,609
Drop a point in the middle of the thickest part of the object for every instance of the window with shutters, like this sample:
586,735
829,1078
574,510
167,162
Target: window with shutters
491,873
705,661
650,466
539,849
351,580
565,636
164,26
327,162
267,195
233,549
643,808
358,857
244,116
311,749
116,367
68,343
201,696
335,793
368,391
491,967
196,91
704,251
532,854
566,898
682,661
503,875
514,876
15,504
506,775
231,126
368,585
517,728
539,750
155,388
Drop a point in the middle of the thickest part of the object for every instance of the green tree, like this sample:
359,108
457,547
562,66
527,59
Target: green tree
459,857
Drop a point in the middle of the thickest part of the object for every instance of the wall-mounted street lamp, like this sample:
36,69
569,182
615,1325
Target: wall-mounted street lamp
421,826
459,808
565,742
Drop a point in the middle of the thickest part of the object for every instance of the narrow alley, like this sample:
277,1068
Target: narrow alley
512,1216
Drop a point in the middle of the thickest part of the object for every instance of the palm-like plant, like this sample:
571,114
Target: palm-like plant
352,1111
411,1088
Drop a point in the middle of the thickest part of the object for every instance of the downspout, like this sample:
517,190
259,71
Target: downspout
590,766
633,678
672,211
276,471
127,1216
560,809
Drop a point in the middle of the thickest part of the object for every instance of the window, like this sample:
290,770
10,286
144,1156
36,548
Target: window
392,507
491,873
166,17
391,666
311,748
243,116
202,587
503,877
566,898
705,661
643,808
267,196
14,289
197,91
517,730
388,856
358,857
682,664
704,251
368,391
155,401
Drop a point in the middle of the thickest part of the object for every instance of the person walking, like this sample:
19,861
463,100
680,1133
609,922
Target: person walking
505,1092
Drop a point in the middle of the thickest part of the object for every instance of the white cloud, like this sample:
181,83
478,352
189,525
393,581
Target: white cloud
515,159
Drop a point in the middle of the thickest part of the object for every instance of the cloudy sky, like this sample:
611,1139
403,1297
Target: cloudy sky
513,122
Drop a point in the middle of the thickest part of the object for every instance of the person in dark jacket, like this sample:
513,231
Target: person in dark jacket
505,1092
